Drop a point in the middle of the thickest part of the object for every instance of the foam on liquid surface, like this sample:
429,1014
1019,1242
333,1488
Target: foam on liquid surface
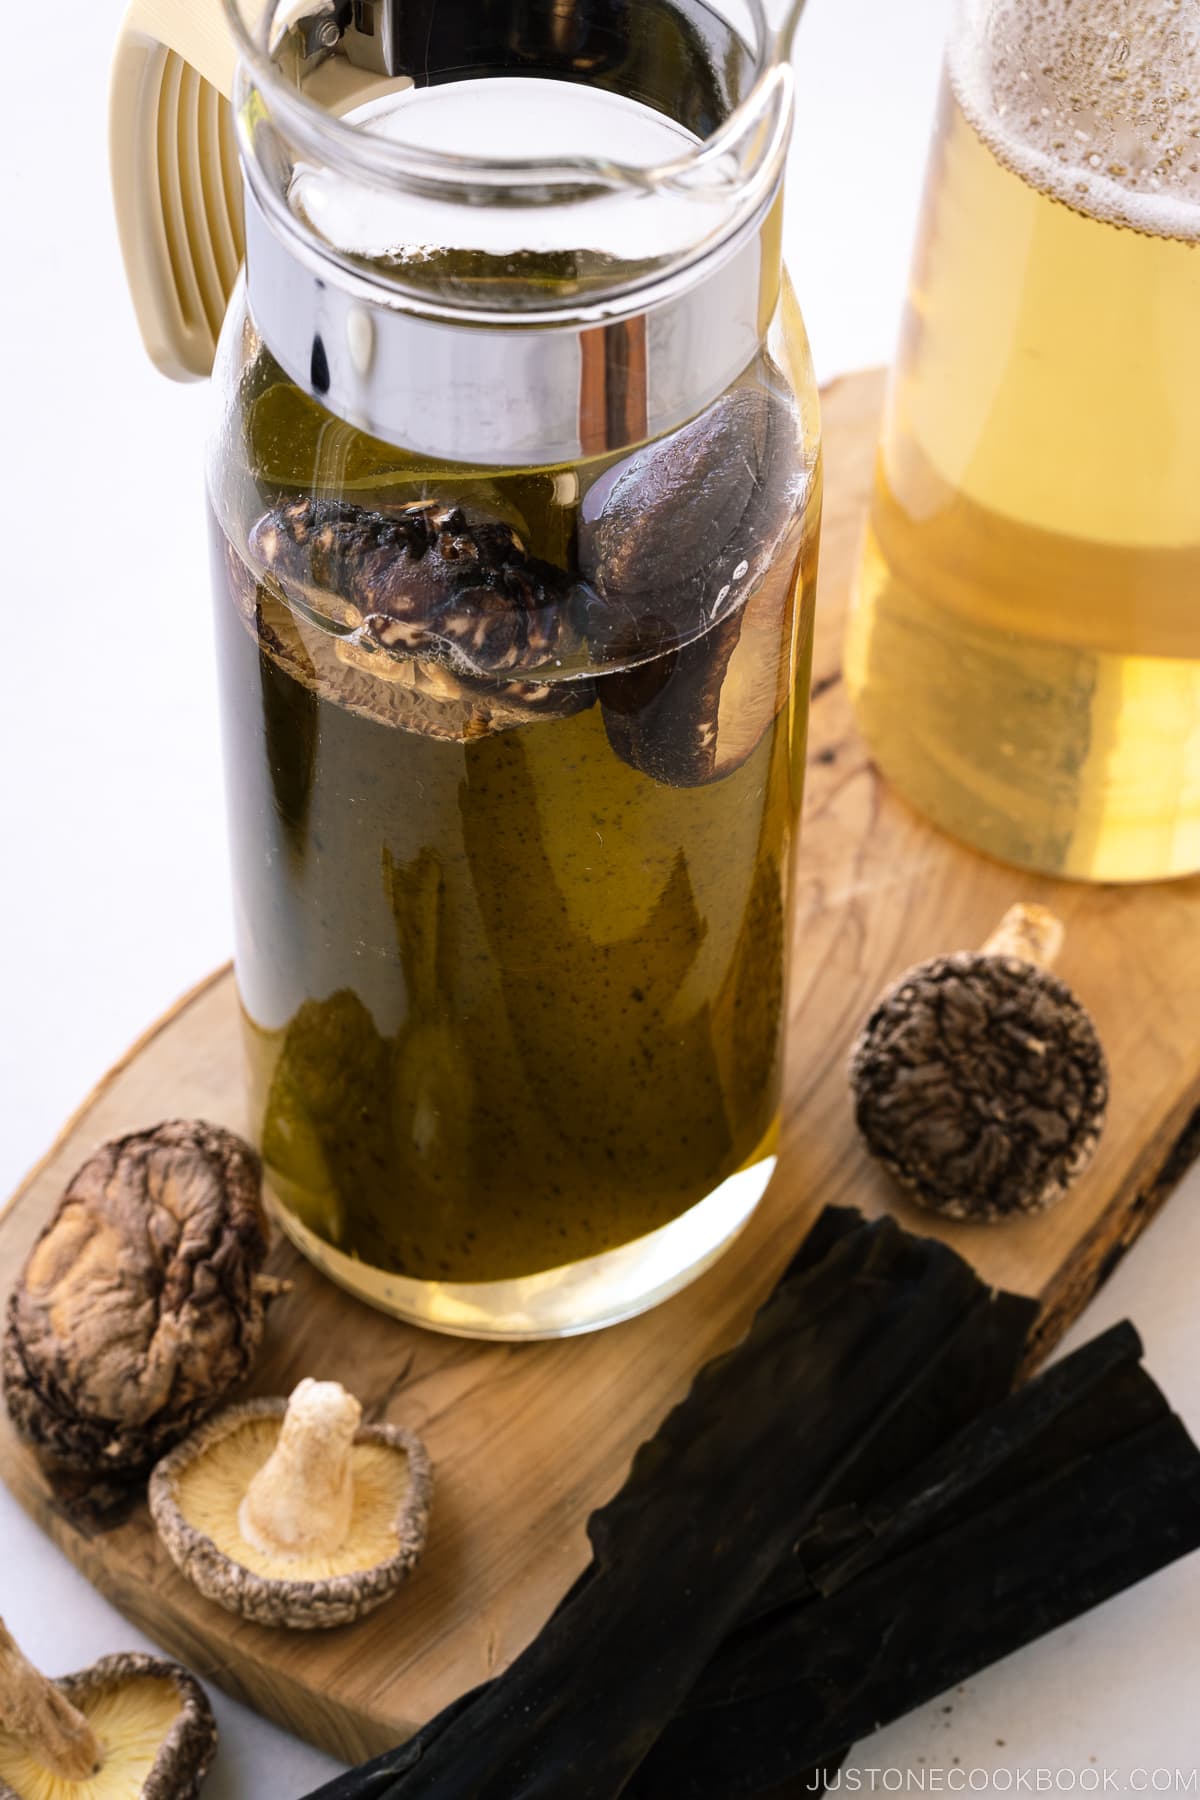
1096,103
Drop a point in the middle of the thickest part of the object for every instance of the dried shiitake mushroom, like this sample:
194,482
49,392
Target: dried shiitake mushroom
443,624
693,714
423,697
686,546
682,527
424,580
142,1302
979,1081
129,1726
295,1513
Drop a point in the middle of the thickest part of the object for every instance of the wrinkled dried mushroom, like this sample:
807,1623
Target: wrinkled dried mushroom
142,1302
680,529
979,1081
686,544
425,580
421,696
130,1726
693,714
434,616
295,1513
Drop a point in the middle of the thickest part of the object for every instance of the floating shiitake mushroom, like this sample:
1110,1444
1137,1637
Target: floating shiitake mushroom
295,1513
427,584
142,1302
673,540
425,579
979,1081
679,529
131,1727
693,714
444,624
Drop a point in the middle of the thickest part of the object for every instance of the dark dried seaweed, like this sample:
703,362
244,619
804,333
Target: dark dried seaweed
974,1366
837,1359
911,1531
1091,1398
713,1504
1100,1395
917,1623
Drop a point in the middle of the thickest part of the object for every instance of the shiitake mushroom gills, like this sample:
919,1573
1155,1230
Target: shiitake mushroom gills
294,1513
131,1725
772,1579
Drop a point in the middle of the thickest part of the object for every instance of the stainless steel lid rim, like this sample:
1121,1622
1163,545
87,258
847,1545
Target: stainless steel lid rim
532,388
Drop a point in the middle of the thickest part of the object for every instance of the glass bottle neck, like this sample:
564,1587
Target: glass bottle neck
529,389
559,242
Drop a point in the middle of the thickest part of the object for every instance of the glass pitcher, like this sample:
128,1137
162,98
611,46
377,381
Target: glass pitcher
514,502
1024,652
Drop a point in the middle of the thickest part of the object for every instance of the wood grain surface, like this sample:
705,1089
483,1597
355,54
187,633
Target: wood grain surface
527,1439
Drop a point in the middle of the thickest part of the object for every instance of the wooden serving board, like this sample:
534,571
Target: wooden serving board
526,1440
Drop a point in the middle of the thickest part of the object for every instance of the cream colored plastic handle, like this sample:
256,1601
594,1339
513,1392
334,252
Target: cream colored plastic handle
176,183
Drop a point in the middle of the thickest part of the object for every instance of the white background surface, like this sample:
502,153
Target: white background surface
113,892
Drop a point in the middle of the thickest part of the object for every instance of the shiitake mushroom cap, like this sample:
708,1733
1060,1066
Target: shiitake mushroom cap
386,1539
980,1084
189,1744
142,1302
690,546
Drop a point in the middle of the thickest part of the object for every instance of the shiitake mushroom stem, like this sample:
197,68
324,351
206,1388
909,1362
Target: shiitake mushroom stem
1028,932
41,1718
301,1501
294,1512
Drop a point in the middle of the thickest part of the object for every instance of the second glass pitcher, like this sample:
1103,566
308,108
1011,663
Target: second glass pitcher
1024,654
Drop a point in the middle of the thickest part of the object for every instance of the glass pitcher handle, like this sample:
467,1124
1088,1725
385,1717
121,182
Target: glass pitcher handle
177,186
176,183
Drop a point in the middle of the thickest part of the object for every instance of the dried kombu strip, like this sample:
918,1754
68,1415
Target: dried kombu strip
712,1507
1000,1490
1097,1397
903,1620
713,1504
1026,1515
974,1367
327,1129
